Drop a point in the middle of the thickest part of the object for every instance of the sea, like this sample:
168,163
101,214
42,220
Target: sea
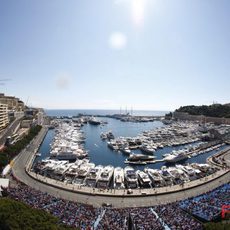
102,112
100,153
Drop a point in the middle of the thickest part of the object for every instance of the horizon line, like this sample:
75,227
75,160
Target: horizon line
109,109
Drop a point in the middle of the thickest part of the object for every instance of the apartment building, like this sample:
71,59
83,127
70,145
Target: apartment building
4,119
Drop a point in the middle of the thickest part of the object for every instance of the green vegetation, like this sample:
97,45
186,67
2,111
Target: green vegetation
168,116
215,110
10,152
217,226
16,215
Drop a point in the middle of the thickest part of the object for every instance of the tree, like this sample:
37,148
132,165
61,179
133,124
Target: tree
16,215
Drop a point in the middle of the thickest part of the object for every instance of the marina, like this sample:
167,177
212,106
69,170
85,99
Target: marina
163,155
99,152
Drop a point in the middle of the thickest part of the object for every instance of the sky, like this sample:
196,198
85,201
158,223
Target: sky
112,54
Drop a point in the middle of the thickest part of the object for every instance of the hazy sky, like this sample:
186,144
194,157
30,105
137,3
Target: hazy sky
148,54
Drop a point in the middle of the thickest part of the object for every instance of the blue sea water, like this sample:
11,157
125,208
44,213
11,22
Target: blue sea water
74,112
99,152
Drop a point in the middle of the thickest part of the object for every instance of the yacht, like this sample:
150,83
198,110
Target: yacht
105,177
110,135
59,171
188,170
135,162
82,173
48,169
204,168
155,176
176,157
166,176
126,150
103,136
94,121
175,175
73,169
140,157
40,166
147,149
118,178
93,176
143,179
113,145
131,180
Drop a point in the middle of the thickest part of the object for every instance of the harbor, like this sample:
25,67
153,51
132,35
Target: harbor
163,155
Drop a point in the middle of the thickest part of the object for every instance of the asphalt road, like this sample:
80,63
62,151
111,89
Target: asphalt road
95,200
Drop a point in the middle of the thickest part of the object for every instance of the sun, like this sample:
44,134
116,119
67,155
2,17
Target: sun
138,12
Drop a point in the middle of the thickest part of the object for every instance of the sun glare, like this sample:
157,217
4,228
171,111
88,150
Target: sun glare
117,40
138,10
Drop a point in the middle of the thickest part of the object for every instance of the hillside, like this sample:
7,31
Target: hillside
215,110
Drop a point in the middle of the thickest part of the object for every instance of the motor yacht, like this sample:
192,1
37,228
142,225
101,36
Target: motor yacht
131,180
105,177
155,176
172,158
143,179
118,178
93,176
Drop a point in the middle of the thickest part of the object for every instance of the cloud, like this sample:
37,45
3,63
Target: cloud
63,81
117,40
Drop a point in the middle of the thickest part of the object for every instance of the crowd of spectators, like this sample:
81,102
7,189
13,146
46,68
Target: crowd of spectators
139,218
114,219
70,213
144,218
175,218
208,205
84,216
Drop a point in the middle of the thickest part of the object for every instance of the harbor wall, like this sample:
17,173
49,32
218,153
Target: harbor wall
201,118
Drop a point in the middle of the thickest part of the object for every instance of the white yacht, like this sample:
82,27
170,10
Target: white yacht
147,149
166,176
93,176
126,150
188,170
140,157
60,170
131,180
155,176
205,168
73,169
48,169
118,178
105,177
176,157
113,145
179,174
143,179
94,121
82,172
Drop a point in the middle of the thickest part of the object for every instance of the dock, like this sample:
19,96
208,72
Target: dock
143,162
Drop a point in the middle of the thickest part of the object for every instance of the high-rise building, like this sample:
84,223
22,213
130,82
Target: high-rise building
14,104
4,118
